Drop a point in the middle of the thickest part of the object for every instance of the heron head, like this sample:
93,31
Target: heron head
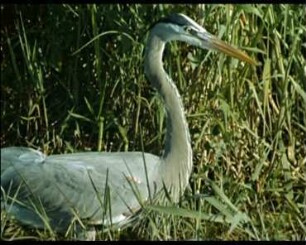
181,28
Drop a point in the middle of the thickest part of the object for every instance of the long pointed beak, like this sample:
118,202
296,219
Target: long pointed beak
216,44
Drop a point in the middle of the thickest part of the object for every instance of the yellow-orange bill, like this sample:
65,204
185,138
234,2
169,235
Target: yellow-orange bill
221,46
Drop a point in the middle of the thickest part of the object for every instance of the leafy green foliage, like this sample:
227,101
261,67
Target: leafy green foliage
72,80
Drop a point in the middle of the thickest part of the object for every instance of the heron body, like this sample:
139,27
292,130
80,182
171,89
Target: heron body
86,184
73,183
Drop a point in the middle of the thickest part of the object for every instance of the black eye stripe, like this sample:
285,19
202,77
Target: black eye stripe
176,19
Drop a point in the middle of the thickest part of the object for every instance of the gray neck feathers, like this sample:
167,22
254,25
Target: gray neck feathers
177,157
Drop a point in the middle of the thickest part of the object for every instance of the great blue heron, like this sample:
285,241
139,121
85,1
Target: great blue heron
70,185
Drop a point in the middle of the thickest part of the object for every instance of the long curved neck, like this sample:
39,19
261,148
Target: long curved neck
177,157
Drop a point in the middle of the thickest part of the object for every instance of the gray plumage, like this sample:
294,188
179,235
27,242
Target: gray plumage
76,183
62,183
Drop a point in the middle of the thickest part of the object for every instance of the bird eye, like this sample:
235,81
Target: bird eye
187,29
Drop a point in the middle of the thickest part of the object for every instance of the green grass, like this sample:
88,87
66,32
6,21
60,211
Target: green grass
72,80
